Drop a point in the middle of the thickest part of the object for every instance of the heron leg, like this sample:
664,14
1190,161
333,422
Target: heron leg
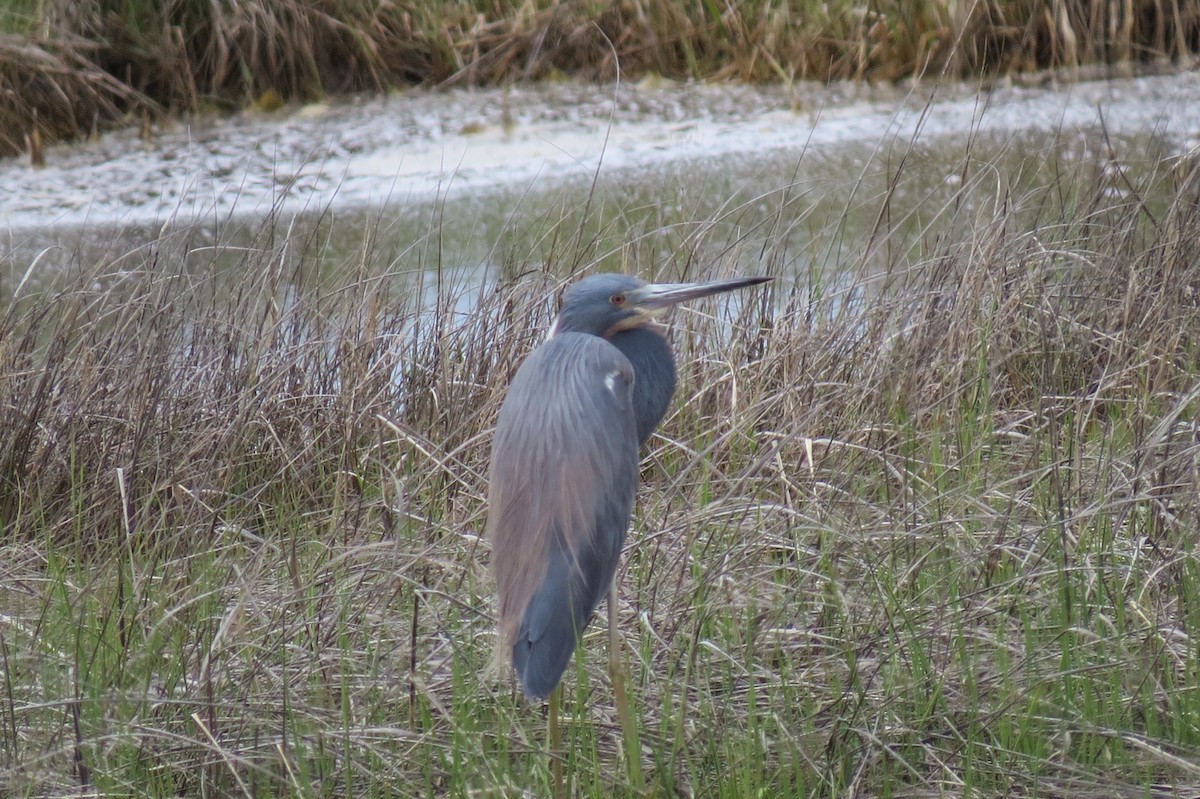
619,674
556,750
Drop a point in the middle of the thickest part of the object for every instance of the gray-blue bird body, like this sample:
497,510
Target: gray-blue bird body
565,463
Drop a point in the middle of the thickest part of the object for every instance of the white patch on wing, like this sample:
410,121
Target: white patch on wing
610,380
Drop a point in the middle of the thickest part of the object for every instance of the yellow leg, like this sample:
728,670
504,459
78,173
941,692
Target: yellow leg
620,682
556,750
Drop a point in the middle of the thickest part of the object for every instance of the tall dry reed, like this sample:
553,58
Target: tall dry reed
86,66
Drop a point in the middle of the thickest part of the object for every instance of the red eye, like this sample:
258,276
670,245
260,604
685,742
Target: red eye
618,300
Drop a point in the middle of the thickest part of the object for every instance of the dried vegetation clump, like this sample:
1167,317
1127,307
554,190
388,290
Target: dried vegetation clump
926,528
72,68
53,90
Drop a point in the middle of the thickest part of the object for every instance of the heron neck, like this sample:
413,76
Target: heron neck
653,373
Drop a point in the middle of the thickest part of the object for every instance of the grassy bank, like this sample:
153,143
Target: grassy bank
923,527
71,68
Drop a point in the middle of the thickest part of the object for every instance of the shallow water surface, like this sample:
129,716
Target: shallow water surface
653,180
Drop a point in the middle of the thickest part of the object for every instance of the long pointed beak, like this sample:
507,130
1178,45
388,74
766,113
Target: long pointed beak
657,296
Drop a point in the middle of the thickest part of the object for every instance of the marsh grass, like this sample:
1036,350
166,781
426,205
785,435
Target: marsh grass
71,68
925,529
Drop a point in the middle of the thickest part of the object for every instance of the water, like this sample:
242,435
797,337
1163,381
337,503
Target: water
659,180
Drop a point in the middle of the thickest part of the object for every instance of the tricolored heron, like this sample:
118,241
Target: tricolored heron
565,465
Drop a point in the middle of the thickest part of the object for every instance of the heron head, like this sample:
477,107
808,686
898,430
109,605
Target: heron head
609,303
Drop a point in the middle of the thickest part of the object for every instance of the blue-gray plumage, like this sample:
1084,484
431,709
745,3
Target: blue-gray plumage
565,463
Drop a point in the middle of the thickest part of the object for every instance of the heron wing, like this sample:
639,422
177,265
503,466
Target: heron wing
563,479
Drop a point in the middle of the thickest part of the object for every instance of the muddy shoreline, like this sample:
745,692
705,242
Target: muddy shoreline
419,147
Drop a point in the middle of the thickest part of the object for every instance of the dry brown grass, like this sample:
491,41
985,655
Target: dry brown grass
926,530
56,90
77,67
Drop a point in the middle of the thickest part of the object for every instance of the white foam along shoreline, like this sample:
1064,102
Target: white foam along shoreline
411,150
